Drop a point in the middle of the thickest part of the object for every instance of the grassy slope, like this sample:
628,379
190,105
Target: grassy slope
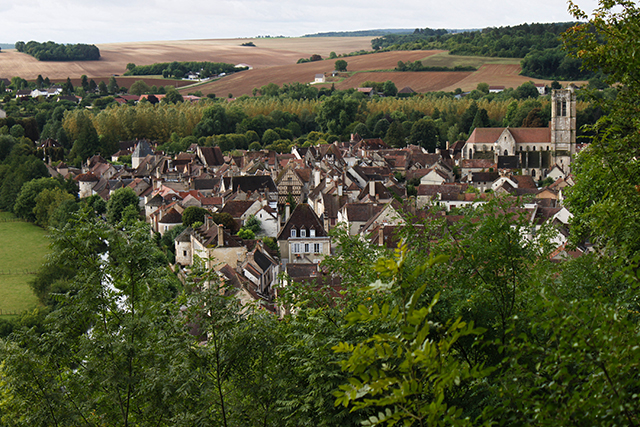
23,247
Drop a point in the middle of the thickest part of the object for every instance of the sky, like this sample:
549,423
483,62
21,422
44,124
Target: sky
110,21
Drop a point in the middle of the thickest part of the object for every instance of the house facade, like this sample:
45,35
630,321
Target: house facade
303,238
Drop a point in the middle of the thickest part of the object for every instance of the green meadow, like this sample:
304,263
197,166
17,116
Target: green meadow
23,247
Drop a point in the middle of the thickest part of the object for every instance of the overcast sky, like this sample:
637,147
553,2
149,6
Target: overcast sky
106,21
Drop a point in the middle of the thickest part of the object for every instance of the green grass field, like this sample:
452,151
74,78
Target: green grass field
23,247
445,60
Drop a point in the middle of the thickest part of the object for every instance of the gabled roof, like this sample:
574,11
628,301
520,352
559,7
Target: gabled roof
212,156
478,164
484,176
253,183
520,135
524,181
302,217
143,149
171,217
87,177
361,212
237,208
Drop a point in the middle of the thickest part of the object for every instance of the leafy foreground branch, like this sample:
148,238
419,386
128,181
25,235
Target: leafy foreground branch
406,374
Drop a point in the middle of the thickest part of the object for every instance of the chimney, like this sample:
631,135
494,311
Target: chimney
372,188
208,221
339,189
287,212
220,236
381,236
316,177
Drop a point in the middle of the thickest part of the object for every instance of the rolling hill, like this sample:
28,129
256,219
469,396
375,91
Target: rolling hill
273,60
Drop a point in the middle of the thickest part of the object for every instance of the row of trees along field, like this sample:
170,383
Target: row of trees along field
181,69
51,51
539,46
467,323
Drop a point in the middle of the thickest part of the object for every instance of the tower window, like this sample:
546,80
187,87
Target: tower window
561,108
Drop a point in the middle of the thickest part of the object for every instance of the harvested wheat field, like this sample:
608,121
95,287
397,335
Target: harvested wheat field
116,56
243,83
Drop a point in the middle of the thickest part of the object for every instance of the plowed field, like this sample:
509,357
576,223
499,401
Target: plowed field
243,83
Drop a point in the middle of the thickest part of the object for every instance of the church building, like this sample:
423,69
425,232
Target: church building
533,150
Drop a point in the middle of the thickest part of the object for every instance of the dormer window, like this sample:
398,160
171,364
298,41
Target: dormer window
303,232
312,233
293,232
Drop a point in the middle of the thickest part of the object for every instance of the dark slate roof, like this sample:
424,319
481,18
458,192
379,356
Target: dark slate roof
206,183
302,217
484,176
507,162
143,149
236,208
185,236
362,211
262,260
381,191
212,156
171,217
253,183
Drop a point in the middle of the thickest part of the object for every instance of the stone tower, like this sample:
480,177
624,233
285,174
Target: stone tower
563,125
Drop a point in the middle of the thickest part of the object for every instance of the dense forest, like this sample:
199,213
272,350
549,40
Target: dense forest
539,46
180,70
51,51
466,323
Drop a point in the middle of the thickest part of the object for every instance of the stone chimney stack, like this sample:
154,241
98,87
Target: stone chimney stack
316,177
372,188
381,235
220,236
339,189
208,221
287,212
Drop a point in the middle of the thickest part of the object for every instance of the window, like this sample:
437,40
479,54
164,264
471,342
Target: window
312,233
293,232
317,248
296,248
306,248
184,253
303,232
